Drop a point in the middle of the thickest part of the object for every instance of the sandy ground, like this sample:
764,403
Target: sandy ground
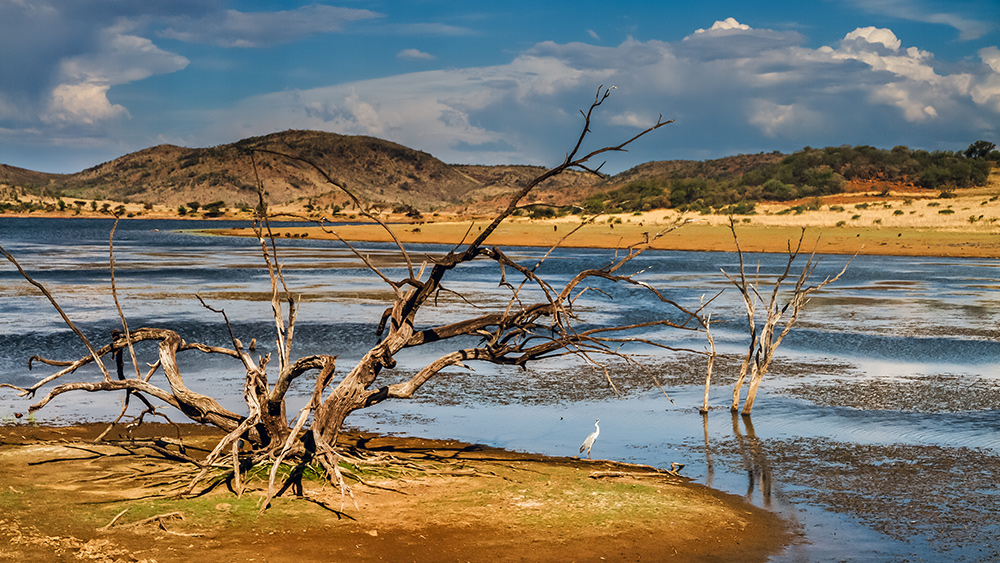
908,224
64,498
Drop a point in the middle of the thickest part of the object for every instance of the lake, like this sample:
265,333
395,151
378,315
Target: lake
877,430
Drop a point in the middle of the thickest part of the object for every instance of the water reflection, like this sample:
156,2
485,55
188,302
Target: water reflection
904,384
754,460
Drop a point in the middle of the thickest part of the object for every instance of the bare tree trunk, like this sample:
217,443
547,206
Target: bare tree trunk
519,332
764,344
711,362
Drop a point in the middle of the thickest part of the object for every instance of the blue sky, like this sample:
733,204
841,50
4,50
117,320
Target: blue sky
86,81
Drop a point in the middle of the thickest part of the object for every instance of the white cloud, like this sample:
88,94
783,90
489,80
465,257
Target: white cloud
81,97
986,91
735,88
728,24
632,119
873,35
774,119
232,28
991,56
86,104
915,88
914,107
731,87
880,49
364,115
414,55
119,59
593,35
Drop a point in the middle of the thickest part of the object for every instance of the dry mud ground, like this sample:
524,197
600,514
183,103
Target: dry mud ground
64,498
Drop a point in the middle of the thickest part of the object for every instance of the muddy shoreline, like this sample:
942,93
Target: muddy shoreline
434,501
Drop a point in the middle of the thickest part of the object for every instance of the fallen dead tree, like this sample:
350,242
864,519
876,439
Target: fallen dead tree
539,320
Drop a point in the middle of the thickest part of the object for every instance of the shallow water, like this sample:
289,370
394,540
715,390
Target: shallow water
878,431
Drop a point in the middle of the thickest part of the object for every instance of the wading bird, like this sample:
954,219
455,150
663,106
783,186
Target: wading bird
589,442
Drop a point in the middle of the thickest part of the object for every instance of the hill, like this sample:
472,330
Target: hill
377,171
11,176
393,177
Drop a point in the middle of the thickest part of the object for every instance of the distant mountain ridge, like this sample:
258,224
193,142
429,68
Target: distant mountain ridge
376,170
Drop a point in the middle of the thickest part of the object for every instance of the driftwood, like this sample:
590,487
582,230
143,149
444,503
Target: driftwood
517,334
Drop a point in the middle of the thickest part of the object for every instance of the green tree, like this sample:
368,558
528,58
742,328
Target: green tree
215,209
979,149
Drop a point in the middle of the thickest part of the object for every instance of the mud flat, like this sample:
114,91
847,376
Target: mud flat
63,497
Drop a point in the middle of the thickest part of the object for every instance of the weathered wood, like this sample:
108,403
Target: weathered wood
517,333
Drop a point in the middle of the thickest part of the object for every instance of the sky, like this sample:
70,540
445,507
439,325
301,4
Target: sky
86,81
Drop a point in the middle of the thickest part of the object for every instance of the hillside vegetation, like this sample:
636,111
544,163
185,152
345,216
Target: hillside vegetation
397,178
736,185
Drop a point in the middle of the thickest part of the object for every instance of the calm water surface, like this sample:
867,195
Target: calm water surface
878,432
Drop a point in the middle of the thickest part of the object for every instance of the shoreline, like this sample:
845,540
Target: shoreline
772,230
449,501
695,236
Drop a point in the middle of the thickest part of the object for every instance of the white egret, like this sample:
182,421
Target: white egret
589,442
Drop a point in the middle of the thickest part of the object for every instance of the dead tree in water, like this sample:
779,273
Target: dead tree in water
764,342
517,333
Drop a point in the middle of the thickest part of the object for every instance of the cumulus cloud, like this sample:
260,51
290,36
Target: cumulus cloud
880,49
81,96
232,28
986,90
991,56
65,78
81,104
414,55
733,88
728,24
872,36
915,87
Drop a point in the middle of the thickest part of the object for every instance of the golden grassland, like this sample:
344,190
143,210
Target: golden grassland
907,224
914,222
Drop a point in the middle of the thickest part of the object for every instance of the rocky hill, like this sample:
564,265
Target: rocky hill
377,171
13,176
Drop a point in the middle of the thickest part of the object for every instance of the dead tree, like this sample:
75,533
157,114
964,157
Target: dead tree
778,308
527,329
